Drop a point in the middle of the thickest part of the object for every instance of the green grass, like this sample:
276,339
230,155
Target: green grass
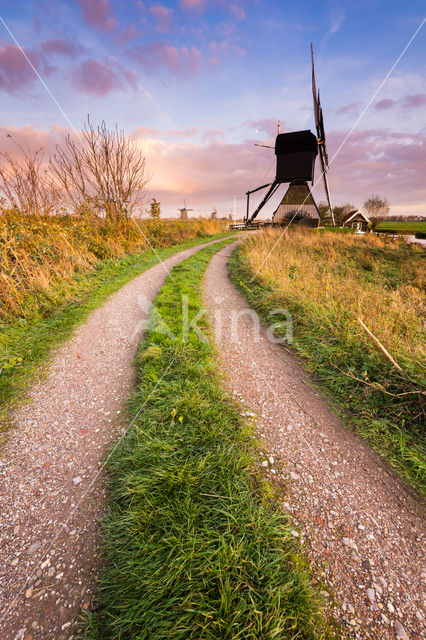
193,549
336,229
392,424
411,227
26,342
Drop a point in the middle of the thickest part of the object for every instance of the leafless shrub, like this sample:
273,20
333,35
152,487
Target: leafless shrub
376,206
102,170
25,183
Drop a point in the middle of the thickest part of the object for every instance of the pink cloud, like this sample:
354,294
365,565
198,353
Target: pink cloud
180,61
162,17
145,132
127,34
28,137
393,163
98,14
414,101
15,72
222,48
386,103
349,108
195,5
213,171
99,79
238,12
58,46
188,132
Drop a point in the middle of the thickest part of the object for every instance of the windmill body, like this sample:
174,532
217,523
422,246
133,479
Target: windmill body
296,153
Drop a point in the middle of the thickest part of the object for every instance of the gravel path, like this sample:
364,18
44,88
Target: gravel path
52,496
363,531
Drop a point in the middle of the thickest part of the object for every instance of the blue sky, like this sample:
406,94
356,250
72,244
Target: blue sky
196,83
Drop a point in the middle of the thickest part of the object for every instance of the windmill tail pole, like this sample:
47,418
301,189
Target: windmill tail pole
272,188
327,190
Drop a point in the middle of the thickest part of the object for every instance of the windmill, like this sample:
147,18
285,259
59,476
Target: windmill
296,153
184,211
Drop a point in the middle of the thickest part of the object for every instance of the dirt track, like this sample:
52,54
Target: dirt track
52,496
363,531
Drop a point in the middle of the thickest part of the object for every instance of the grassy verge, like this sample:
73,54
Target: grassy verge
192,549
325,283
26,341
402,227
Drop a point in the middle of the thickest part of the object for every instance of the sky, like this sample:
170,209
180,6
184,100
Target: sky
196,83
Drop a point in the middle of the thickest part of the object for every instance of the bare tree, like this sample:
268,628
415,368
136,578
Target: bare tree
376,206
25,184
102,170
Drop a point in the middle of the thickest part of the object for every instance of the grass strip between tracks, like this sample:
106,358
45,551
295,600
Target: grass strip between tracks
26,342
193,547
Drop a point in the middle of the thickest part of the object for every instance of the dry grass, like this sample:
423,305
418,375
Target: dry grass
41,254
339,277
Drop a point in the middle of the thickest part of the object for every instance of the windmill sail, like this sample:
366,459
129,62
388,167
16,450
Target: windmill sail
319,124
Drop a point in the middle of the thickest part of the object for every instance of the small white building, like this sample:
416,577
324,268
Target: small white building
356,220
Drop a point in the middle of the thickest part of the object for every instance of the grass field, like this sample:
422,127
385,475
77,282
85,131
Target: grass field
403,227
61,281
194,549
328,282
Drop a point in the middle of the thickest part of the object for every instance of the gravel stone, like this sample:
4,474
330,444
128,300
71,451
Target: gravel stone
401,633
371,595
35,545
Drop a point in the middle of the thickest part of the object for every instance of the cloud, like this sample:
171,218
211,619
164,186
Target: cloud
195,5
145,132
221,48
386,103
98,14
238,12
351,108
58,46
378,160
267,125
30,138
99,78
188,132
127,34
180,61
16,75
337,19
414,101
162,17
371,160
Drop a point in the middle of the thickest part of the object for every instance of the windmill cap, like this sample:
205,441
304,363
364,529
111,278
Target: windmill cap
296,142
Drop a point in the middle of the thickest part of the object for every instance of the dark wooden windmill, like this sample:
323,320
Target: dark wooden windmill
184,211
296,153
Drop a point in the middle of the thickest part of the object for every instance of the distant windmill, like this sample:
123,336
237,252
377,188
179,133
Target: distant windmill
296,153
184,211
